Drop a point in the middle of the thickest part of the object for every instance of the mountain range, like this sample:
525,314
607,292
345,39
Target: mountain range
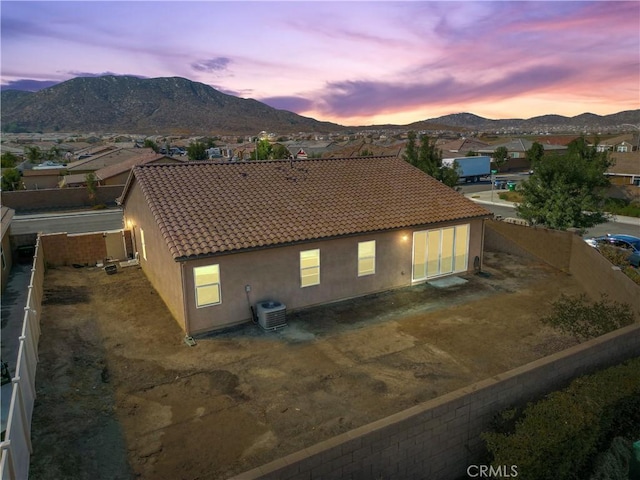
127,104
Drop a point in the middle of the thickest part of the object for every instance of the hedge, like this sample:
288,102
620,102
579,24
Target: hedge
560,436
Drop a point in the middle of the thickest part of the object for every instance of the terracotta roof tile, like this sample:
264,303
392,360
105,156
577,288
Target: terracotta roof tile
206,208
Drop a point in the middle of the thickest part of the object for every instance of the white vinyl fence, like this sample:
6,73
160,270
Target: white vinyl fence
16,446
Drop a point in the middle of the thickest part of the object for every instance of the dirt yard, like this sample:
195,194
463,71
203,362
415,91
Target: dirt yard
120,395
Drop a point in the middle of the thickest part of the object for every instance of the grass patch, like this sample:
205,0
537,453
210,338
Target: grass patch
619,206
511,196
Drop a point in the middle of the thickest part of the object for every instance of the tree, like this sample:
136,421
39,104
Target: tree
535,154
279,151
53,154
92,186
428,158
9,160
567,191
411,150
197,151
11,179
263,150
500,156
148,143
33,154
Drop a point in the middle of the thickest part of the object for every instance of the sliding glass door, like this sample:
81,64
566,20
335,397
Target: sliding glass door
440,251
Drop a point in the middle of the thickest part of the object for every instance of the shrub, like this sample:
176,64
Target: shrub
560,435
576,316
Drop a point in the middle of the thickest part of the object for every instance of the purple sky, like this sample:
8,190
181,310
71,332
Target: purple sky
353,63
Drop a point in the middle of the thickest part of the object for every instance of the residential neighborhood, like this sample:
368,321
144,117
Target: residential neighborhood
337,244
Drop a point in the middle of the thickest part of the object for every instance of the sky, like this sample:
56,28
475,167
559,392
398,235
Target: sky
352,63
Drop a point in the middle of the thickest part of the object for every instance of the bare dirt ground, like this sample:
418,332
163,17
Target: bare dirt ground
120,395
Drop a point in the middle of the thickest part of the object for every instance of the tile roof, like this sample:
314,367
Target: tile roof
204,208
127,164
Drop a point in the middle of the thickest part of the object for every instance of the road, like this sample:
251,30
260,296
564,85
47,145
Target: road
70,222
602,229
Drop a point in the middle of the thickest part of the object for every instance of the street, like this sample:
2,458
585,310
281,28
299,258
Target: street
75,222
480,192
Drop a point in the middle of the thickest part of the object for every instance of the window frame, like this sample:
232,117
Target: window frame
361,258
197,287
304,269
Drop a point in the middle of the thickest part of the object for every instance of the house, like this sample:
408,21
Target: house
461,146
6,257
116,174
215,238
625,169
104,158
517,149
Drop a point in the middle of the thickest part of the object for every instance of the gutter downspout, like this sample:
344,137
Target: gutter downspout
484,222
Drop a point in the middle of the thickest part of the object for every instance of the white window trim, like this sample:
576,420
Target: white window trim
360,258
196,286
302,269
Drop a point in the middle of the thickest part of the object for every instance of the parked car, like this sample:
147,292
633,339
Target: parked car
627,244
500,184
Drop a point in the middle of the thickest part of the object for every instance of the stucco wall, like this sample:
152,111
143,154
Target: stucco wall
274,274
159,267
439,439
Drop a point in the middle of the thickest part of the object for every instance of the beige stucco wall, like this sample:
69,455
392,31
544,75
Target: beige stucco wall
273,274
160,268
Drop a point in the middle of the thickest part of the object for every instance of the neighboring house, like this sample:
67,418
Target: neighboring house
461,146
6,257
626,168
35,179
117,173
215,238
111,156
517,149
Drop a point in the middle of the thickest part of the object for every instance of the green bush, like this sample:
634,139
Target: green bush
618,206
559,437
576,316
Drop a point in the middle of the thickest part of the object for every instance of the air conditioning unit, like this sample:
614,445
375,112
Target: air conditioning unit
271,314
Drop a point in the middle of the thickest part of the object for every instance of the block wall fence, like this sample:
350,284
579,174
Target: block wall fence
86,248
439,439
56,198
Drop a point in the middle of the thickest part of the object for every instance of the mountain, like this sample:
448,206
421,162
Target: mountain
134,105
586,120
128,104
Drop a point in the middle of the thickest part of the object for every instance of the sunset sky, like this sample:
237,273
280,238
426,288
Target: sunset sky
353,63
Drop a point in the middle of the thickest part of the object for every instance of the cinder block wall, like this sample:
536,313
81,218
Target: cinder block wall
440,438
597,276
64,249
47,199
567,252
550,246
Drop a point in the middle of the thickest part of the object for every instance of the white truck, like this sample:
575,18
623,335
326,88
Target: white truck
470,169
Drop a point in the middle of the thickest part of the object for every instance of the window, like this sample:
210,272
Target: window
366,258
144,247
207,285
309,268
